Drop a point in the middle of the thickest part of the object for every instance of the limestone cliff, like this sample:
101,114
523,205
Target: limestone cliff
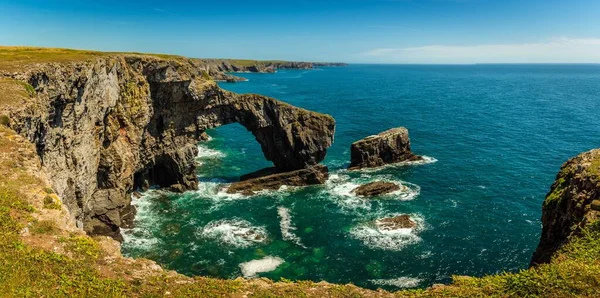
109,125
572,204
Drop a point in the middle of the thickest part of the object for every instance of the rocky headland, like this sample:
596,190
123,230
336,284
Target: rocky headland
222,69
571,206
108,125
388,147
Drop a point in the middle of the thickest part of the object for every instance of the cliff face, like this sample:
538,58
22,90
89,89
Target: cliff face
105,127
572,204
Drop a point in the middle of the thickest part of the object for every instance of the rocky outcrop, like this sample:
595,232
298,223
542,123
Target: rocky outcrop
376,189
388,147
220,69
571,205
395,223
107,126
273,180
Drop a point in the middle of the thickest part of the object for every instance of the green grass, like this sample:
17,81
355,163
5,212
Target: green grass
50,203
18,58
44,227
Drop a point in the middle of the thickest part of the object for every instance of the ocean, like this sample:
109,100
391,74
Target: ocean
494,137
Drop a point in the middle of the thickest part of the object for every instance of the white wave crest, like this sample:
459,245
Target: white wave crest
140,236
376,238
205,153
339,188
266,264
287,229
400,282
234,232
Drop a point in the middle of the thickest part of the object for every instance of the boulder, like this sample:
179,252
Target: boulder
376,189
388,147
395,223
317,174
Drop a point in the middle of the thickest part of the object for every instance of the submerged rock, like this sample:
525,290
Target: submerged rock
376,189
317,174
388,147
572,204
395,223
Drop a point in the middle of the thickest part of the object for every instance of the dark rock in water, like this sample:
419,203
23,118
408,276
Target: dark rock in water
572,204
395,223
137,194
388,147
204,137
376,189
317,174
178,188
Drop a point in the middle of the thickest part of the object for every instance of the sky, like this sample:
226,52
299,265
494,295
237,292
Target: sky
354,31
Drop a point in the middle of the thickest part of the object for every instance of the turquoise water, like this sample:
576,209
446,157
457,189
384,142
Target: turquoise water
496,135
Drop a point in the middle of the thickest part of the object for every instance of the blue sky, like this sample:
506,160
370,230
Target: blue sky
371,31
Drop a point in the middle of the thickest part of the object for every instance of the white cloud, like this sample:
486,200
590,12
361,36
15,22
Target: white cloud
558,50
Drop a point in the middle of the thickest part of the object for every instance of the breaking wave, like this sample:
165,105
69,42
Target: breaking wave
234,232
370,235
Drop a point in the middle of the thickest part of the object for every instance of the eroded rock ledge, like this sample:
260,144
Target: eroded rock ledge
107,126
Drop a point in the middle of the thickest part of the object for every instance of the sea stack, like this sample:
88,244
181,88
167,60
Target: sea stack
390,146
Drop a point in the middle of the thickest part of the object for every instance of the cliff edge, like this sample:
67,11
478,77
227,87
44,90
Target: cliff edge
571,206
108,125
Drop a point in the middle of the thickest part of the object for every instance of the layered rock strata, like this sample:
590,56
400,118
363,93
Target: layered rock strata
388,147
107,126
273,180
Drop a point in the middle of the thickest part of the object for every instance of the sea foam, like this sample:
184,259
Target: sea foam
266,264
400,282
287,229
370,235
234,232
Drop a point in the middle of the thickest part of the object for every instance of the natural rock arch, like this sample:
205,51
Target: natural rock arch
105,127
291,137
